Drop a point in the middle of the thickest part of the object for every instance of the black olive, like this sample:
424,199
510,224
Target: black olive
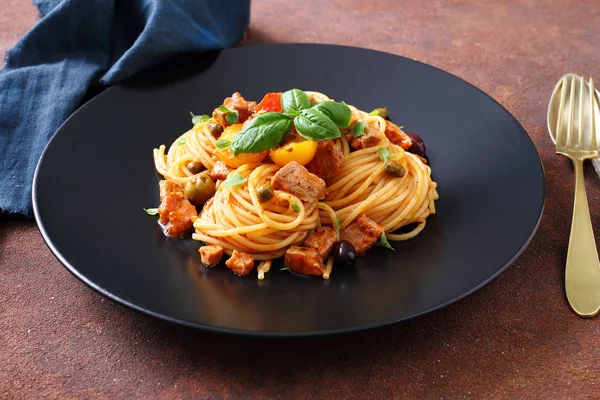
195,167
418,147
392,168
343,253
215,129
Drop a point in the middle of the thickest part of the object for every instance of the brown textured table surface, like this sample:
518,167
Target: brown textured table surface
514,338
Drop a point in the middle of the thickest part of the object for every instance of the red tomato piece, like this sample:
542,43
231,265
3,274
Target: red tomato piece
270,103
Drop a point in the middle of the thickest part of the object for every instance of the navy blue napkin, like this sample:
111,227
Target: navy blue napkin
82,43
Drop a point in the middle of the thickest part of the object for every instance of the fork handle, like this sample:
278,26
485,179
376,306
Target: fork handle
582,274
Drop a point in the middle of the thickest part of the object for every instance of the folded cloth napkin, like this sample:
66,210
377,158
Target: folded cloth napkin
80,43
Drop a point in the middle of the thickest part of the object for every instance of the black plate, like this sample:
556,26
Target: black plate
97,173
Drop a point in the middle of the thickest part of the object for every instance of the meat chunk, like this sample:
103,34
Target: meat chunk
397,135
211,255
240,263
363,233
371,138
327,160
220,171
177,214
322,240
169,187
295,179
304,261
238,103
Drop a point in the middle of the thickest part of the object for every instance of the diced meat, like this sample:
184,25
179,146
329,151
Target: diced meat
327,160
270,103
238,103
240,263
371,138
169,187
220,171
322,240
397,135
211,255
295,179
304,261
177,214
363,233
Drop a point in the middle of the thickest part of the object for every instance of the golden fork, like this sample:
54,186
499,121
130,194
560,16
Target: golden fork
576,139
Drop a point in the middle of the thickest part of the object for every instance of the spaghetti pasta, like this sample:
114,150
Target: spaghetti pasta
241,218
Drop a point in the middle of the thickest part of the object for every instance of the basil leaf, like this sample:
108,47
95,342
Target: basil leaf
337,224
384,154
230,115
294,100
284,269
313,124
262,133
295,207
235,180
339,113
223,143
198,118
181,141
383,242
151,211
359,129
382,112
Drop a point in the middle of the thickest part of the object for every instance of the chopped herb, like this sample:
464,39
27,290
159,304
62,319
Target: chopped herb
231,115
381,112
235,180
359,129
151,211
223,143
198,118
383,242
337,224
295,207
384,154
181,141
284,269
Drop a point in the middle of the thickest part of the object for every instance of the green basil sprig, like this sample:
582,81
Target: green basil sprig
313,124
384,154
262,133
294,100
322,121
339,113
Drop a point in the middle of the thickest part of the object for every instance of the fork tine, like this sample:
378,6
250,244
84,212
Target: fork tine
561,108
593,112
571,114
581,134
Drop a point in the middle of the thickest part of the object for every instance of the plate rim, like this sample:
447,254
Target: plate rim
269,334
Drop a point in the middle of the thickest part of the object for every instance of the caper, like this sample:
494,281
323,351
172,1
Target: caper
215,129
200,189
195,167
392,168
264,192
